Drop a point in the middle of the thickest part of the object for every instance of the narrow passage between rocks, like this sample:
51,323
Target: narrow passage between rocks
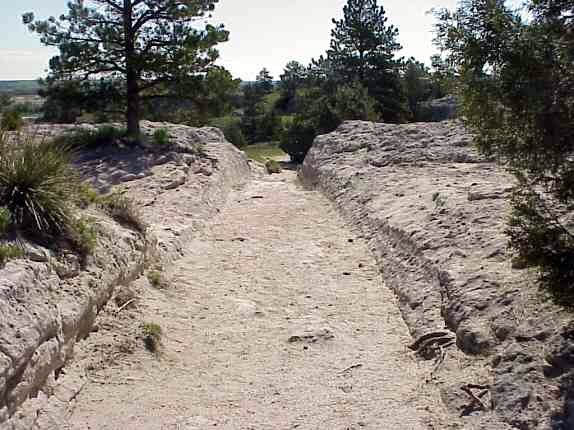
276,318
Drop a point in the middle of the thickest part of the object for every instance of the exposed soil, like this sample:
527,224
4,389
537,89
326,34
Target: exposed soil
275,318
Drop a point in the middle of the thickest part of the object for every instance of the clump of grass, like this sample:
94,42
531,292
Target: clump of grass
5,220
93,139
161,137
87,195
10,252
37,184
156,279
123,210
272,166
152,334
84,236
11,121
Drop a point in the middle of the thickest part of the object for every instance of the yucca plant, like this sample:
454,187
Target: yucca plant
36,185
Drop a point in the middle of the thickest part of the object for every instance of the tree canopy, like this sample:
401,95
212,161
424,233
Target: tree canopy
142,43
363,47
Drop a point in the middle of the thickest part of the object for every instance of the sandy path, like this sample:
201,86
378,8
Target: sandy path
276,265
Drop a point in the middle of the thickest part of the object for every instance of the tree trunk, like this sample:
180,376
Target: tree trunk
132,76
133,105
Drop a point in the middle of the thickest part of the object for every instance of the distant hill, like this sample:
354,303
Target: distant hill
19,88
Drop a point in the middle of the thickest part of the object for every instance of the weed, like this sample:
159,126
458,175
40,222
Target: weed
9,252
156,279
84,236
87,195
5,220
152,333
123,210
92,139
161,137
11,121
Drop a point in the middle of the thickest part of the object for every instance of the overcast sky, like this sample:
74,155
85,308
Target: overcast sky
264,33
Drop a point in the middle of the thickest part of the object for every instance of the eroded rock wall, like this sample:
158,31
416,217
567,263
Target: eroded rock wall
47,304
435,214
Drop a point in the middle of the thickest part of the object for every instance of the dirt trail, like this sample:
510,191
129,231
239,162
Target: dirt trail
277,318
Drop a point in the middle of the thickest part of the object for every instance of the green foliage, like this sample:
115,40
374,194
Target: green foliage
231,128
152,334
11,121
156,279
161,137
86,195
144,45
5,102
37,185
321,113
5,220
83,235
9,252
92,139
264,82
516,82
363,47
272,166
417,85
122,209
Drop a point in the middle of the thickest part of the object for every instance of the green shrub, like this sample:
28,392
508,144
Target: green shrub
123,210
11,121
37,185
87,195
83,236
152,333
92,139
5,220
231,128
298,139
272,166
161,137
10,252
156,279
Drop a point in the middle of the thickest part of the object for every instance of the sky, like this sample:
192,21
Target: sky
264,33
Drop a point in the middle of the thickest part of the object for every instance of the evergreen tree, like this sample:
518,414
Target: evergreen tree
516,81
363,47
264,82
143,43
417,86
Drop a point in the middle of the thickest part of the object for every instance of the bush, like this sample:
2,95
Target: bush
152,333
9,252
231,128
83,236
156,279
11,121
161,137
86,195
37,185
297,139
5,220
123,210
92,139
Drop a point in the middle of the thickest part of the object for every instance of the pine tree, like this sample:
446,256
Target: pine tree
145,44
363,47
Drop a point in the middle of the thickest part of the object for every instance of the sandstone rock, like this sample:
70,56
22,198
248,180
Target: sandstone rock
46,306
447,265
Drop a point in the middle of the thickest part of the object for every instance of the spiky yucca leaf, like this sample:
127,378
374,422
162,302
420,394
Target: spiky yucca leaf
36,184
